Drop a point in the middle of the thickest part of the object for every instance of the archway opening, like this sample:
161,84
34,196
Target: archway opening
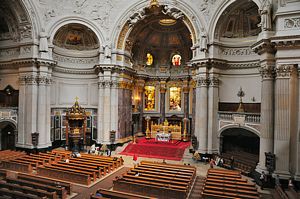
240,140
160,40
8,136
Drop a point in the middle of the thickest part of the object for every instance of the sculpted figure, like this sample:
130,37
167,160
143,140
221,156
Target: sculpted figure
203,41
265,13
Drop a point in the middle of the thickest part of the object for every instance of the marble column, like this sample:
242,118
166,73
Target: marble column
213,100
140,87
114,106
106,111
100,114
42,111
201,113
163,90
186,90
27,107
282,121
297,164
267,115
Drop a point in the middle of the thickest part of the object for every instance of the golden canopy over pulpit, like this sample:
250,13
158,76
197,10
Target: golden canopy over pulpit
76,125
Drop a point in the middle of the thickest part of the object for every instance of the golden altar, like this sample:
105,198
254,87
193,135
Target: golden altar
174,130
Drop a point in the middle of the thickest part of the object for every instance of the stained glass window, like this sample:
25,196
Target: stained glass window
149,98
175,98
176,60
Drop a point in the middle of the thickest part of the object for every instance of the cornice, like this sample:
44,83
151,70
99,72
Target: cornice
16,63
262,46
74,71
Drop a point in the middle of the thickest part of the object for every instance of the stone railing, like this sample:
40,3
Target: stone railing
9,113
233,116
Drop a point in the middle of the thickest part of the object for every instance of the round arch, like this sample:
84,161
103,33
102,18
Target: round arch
253,130
8,134
53,28
237,139
122,30
218,13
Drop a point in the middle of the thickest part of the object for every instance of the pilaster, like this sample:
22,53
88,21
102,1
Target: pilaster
297,163
163,90
282,121
201,111
213,98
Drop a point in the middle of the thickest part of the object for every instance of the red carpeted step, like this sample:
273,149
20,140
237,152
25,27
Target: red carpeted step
172,150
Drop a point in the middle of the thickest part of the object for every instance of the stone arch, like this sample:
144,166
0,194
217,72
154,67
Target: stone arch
53,28
191,19
253,130
23,19
218,13
8,134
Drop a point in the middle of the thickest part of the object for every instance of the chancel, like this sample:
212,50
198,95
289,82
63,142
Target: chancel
135,98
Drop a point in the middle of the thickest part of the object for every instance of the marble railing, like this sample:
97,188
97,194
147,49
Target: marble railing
249,117
9,113
237,119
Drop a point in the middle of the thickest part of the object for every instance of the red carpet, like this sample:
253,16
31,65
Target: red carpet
172,150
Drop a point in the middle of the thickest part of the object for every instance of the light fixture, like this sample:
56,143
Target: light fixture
167,22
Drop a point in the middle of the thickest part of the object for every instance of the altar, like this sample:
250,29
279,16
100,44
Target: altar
165,137
166,132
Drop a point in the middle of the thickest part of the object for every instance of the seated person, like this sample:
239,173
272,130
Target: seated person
196,156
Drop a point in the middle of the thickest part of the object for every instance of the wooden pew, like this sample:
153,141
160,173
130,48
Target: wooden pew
47,181
17,166
60,191
65,174
25,189
75,169
151,190
18,195
119,195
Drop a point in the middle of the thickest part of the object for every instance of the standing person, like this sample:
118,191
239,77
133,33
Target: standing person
231,162
263,179
212,163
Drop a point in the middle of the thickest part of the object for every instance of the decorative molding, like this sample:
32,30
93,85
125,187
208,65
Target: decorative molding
237,51
284,71
74,71
292,23
267,72
8,53
202,82
243,65
214,81
75,60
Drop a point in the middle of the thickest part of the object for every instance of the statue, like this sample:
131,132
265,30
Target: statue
139,15
173,12
43,47
203,41
265,13
107,51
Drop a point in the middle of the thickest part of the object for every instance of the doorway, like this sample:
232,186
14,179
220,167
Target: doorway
8,136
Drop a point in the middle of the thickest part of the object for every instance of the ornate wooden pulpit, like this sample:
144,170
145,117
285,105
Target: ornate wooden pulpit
76,126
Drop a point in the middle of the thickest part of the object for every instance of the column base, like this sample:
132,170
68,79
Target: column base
282,174
259,168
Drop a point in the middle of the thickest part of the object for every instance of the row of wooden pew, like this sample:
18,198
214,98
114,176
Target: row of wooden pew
153,180
23,185
61,165
243,161
221,183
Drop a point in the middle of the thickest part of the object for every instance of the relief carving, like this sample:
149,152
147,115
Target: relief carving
74,60
207,7
137,16
237,51
172,12
292,23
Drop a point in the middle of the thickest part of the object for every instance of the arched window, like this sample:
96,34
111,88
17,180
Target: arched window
176,60
149,59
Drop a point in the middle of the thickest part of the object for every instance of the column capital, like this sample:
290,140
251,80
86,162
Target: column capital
163,86
267,72
214,81
285,70
28,79
202,82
